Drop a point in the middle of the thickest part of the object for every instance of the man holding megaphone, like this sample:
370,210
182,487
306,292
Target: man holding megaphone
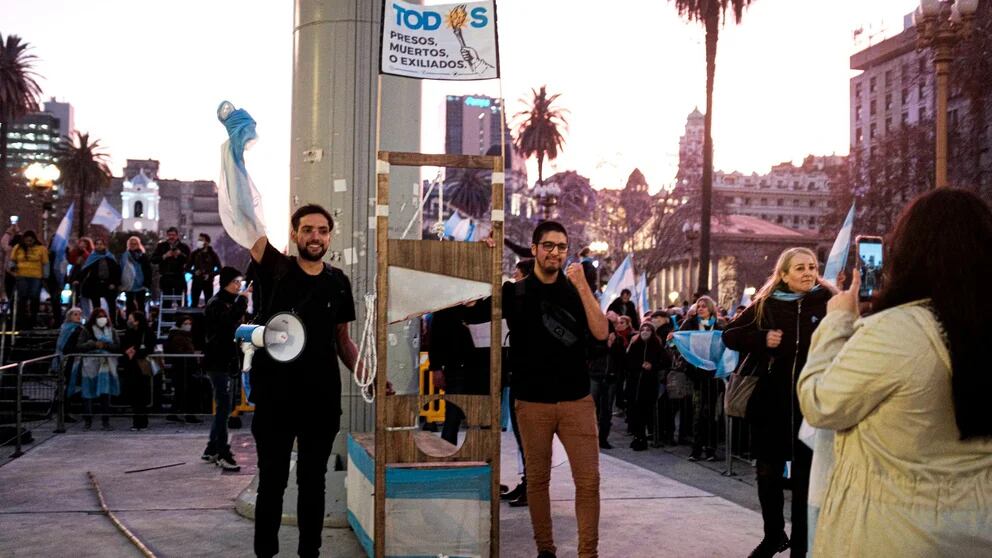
301,399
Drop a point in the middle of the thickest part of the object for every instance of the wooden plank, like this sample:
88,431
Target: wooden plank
401,159
381,323
495,354
465,260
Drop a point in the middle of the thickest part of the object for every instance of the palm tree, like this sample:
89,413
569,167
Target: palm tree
84,170
539,130
709,13
18,90
471,191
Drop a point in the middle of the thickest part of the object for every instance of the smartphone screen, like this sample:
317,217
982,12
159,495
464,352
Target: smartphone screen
870,265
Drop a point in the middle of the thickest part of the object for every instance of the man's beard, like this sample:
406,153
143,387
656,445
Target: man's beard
306,255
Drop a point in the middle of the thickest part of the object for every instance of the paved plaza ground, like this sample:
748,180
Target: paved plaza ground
654,503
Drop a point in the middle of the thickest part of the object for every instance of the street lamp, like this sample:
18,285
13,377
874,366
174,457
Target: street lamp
41,179
941,24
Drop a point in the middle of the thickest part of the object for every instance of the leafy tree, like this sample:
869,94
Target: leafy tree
84,171
709,13
970,141
469,190
540,129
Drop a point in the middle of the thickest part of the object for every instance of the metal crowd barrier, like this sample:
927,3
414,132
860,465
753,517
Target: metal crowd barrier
51,386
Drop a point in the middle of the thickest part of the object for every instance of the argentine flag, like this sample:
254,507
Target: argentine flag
238,200
460,228
641,294
623,278
59,243
705,350
838,253
106,216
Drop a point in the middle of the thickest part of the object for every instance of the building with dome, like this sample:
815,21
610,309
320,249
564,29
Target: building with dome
139,203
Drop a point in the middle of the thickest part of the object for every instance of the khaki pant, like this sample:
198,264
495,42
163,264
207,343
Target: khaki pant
575,424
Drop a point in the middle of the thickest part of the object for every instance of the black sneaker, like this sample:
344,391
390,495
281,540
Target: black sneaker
209,455
695,455
520,502
174,418
770,547
227,462
546,554
605,444
517,491
639,444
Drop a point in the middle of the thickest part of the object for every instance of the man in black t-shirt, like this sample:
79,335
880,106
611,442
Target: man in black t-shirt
553,318
299,400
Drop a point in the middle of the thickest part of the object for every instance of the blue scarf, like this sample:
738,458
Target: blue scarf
68,328
789,296
96,256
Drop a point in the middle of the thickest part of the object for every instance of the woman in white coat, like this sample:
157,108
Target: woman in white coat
907,391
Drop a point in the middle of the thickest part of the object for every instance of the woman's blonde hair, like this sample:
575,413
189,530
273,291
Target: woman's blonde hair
141,247
710,305
774,281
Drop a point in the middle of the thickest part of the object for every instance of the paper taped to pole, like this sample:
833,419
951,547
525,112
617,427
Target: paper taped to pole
443,41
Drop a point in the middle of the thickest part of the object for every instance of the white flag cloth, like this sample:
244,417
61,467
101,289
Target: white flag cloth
623,278
442,41
59,243
641,293
838,253
238,200
107,216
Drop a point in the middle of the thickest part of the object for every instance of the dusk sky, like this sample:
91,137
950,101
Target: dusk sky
146,78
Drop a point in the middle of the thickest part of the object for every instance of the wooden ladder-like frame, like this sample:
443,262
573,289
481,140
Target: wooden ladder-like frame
396,415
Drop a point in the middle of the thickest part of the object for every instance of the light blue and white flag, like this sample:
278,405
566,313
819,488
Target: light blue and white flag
460,228
705,350
745,300
838,253
623,278
238,200
59,243
641,294
107,216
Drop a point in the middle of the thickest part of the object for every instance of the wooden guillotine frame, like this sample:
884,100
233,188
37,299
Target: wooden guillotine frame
396,425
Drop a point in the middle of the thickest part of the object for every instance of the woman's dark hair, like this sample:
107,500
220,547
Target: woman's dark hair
25,235
96,313
545,227
941,249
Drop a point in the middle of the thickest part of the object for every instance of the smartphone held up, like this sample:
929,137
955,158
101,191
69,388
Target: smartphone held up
869,264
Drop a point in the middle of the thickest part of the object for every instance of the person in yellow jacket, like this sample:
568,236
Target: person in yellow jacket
906,390
29,261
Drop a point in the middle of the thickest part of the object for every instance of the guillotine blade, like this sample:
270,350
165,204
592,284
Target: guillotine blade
413,293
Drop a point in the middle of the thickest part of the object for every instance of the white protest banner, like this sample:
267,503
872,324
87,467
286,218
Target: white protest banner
443,41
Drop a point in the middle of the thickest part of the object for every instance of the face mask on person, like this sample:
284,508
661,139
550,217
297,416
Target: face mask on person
645,335
187,327
201,243
101,322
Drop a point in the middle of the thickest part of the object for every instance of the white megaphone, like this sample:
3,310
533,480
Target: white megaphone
283,336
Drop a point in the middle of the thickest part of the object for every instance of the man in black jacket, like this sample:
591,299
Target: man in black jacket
224,313
204,265
623,306
171,256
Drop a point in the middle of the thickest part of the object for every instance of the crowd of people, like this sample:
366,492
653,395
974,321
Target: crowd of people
96,277
899,391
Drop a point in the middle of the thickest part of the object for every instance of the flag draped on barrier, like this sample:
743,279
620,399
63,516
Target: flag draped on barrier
623,278
705,350
59,243
838,252
238,200
106,216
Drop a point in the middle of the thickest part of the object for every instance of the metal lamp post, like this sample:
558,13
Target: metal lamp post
691,232
941,24
41,179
